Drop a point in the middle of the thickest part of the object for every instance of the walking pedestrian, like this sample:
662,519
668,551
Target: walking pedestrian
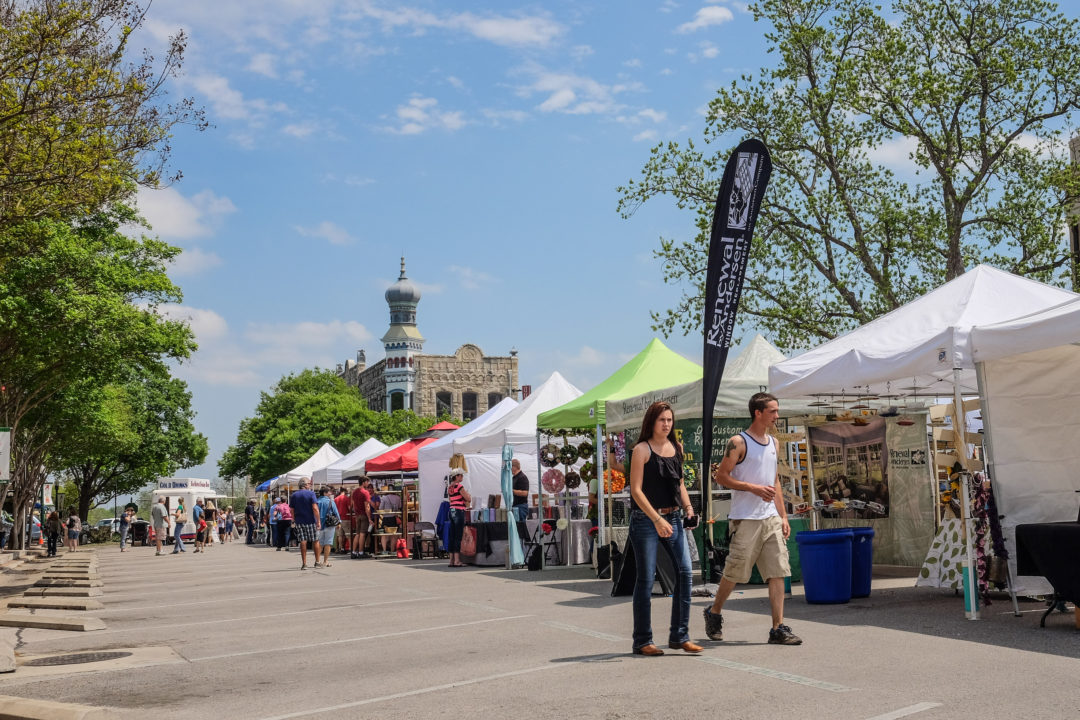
180,520
159,518
74,528
53,526
125,526
759,517
306,523
328,515
361,521
198,516
658,501
230,524
284,515
459,500
343,504
251,521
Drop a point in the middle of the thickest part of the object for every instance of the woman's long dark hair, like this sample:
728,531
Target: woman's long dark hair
647,425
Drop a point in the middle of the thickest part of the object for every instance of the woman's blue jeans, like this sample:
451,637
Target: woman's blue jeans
647,543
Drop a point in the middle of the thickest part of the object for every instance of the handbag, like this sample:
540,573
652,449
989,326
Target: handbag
332,520
468,540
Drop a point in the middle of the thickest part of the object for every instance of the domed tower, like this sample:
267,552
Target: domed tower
403,342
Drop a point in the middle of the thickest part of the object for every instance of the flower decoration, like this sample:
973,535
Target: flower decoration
588,471
593,531
549,455
618,445
585,450
568,455
548,528
689,475
572,480
614,481
553,481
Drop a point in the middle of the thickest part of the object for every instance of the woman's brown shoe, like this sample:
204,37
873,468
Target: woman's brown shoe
650,650
685,647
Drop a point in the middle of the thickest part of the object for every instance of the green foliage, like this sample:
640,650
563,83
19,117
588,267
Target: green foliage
302,412
978,91
80,125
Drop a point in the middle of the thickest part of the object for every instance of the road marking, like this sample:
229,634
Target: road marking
231,599
775,674
436,688
479,606
356,639
584,631
273,615
904,712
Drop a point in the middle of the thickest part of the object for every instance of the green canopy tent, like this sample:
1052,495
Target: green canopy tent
654,368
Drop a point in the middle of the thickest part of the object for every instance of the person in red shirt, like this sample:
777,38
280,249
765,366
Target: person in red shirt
361,505
342,539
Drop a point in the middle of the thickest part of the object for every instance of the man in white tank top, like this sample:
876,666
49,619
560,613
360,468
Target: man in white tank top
758,516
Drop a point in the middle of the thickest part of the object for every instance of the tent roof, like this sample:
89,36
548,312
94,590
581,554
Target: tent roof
401,458
438,430
320,459
917,345
443,448
350,462
518,427
744,376
1059,325
654,367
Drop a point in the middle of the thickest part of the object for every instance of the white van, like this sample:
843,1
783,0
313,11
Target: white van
188,490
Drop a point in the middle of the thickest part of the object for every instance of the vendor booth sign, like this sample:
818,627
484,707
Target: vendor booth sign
851,467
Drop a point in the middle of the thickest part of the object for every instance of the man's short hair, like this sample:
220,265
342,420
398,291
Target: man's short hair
759,402
304,482
516,462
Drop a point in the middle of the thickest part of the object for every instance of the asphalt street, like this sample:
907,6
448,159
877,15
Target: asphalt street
242,632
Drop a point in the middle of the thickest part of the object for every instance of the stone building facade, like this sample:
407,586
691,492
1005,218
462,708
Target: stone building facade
464,384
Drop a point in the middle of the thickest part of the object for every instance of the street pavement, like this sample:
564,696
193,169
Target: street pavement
241,632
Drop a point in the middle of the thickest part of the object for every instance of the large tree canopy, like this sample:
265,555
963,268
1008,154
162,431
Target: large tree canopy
81,122
302,412
977,94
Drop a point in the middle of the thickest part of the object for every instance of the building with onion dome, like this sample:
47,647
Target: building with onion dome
463,385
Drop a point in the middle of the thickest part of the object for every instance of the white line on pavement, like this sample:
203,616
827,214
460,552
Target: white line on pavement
479,606
904,712
366,586
434,688
355,639
584,631
776,674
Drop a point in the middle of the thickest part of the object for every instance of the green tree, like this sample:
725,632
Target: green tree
81,124
302,412
125,435
77,308
980,90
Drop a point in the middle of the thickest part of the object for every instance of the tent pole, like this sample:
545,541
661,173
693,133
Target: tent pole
814,518
539,503
988,459
960,437
599,488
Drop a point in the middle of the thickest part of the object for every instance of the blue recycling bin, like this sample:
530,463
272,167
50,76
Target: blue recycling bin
826,565
862,561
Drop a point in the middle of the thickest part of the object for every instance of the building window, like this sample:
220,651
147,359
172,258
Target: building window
468,406
494,399
397,401
442,403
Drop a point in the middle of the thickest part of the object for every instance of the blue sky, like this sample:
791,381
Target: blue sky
483,142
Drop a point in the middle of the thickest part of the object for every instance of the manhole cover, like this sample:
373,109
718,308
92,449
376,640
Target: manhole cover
76,658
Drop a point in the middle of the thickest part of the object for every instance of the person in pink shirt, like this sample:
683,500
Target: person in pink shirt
284,516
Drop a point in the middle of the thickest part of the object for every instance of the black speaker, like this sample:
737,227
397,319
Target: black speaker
624,573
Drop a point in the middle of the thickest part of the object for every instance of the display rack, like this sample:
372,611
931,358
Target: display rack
407,516
946,452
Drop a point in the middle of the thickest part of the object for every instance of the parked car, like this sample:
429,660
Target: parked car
112,524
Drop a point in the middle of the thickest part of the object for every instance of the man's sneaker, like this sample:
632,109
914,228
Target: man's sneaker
782,635
714,623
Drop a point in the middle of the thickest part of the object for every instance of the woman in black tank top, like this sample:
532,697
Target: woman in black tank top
660,503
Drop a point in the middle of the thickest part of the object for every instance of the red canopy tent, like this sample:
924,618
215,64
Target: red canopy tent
403,459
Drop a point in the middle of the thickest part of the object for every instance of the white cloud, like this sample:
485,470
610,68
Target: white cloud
668,6
707,16
497,116
572,94
263,64
207,325
455,81
667,71
299,130
710,51
645,135
522,31
327,230
657,116
580,52
632,63
229,103
420,114
173,216
894,153
470,278
194,261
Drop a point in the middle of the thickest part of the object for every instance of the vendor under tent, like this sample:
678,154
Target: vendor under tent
434,459
344,466
922,348
1031,413
653,368
321,458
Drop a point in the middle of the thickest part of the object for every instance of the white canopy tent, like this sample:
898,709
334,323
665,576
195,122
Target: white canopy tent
322,457
1031,411
433,460
922,347
483,449
349,464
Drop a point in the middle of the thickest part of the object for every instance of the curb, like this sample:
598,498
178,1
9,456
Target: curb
17,708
